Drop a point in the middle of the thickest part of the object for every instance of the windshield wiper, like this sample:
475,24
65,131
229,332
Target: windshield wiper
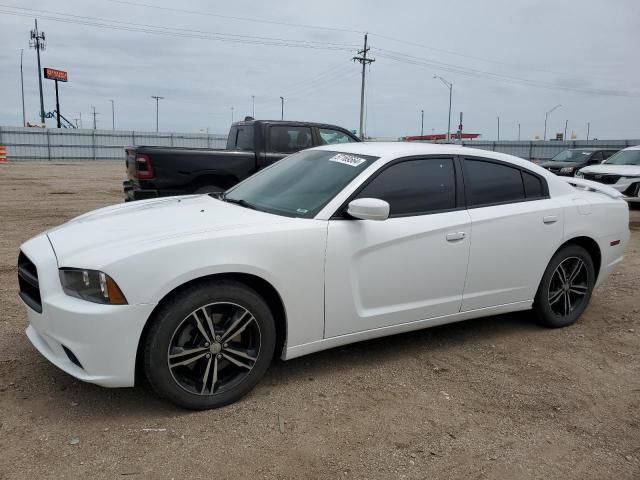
240,201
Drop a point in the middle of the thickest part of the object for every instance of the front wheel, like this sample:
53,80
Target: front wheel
566,286
209,345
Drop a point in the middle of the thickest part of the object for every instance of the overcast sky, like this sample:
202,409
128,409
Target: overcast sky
512,59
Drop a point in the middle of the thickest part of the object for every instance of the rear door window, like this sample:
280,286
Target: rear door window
240,138
489,183
289,139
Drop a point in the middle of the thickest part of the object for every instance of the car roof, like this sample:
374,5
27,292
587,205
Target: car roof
634,147
392,150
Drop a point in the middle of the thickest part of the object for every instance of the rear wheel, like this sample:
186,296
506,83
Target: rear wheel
566,286
210,345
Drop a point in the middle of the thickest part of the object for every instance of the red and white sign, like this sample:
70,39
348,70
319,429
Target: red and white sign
53,74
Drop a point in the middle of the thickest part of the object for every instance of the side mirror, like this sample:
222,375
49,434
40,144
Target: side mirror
368,209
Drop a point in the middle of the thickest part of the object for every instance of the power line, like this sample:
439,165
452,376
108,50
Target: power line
232,17
173,31
433,64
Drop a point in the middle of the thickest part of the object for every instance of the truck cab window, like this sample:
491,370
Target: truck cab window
289,139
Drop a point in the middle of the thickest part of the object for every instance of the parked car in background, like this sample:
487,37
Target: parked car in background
329,246
621,171
251,145
568,162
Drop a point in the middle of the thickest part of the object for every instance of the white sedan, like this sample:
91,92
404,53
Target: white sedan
329,246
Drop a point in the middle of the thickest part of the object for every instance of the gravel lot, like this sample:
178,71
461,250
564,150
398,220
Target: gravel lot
491,398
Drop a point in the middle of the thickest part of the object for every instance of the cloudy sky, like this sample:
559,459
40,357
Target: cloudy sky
512,59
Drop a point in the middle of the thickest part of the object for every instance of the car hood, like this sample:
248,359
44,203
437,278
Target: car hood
128,226
630,170
554,164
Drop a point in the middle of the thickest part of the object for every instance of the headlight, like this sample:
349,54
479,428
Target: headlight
566,169
579,174
91,285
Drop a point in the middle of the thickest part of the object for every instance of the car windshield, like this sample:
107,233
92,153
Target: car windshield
624,157
299,185
572,156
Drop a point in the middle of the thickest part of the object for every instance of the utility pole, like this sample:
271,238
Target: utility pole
94,117
157,99
421,123
518,132
449,85
281,108
113,115
546,116
232,115
364,61
24,118
498,117
588,129
37,42
80,115
253,106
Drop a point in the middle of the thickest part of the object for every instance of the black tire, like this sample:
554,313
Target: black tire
550,305
209,189
177,323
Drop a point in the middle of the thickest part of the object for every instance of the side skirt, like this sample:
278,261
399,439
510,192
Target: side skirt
324,344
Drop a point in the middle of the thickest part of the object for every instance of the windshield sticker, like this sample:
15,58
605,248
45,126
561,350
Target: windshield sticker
302,210
350,160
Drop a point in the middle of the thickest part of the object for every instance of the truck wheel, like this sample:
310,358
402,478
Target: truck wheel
210,345
209,189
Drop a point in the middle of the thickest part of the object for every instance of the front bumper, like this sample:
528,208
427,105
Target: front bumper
92,342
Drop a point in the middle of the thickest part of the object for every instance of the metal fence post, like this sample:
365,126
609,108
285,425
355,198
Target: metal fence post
48,145
133,138
93,143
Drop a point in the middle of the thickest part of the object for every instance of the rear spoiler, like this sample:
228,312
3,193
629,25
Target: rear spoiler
592,186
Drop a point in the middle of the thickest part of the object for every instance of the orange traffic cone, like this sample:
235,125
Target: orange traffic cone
3,154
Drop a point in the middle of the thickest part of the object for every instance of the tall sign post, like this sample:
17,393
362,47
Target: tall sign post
57,76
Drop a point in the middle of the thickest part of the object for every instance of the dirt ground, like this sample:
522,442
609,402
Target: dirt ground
492,398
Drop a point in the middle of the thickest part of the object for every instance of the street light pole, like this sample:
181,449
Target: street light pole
498,117
449,85
232,115
281,108
253,106
588,129
157,99
518,132
422,123
113,115
546,117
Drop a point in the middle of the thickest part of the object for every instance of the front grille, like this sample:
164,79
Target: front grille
602,178
28,282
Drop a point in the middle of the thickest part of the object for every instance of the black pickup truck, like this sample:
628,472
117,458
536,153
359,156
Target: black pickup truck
251,146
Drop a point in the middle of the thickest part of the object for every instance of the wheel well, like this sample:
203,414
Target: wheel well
223,181
264,288
591,246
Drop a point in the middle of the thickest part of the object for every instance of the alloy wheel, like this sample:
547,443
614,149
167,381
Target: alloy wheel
568,287
214,348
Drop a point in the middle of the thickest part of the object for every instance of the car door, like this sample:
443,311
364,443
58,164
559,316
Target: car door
515,229
283,140
409,267
596,158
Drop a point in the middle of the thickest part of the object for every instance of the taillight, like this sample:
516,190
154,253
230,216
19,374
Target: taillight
144,169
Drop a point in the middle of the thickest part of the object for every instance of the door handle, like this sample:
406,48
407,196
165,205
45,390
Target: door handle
452,237
550,219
